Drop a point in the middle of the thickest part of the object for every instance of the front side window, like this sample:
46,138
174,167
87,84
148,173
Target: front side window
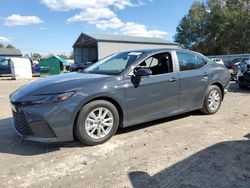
114,64
158,64
189,61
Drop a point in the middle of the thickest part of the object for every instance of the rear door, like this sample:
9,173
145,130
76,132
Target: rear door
194,79
157,95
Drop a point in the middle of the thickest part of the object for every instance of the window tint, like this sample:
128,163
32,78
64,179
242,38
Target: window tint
114,64
4,62
189,61
158,64
201,62
152,61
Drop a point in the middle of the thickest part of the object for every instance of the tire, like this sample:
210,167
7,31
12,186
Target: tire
241,86
79,70
100,128
212,101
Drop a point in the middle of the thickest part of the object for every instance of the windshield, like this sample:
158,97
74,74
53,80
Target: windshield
4,61
114,64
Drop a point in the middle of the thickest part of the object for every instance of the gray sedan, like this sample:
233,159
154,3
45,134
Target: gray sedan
121,90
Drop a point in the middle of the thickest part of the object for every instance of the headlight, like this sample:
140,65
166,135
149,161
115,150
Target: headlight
50,98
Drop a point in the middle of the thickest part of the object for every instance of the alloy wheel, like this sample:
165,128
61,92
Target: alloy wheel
99,123
214,100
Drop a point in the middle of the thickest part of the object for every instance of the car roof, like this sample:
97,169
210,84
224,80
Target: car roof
155,50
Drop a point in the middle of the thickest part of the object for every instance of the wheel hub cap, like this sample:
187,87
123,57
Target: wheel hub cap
214,100
99,123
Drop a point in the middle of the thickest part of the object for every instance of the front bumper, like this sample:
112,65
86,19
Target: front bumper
46,122
32,127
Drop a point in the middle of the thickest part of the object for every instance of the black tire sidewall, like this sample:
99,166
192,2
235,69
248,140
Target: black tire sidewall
206,103
80,130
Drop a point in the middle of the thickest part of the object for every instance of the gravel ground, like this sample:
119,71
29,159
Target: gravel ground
189,150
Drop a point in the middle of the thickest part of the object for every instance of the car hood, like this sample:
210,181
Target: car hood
56,84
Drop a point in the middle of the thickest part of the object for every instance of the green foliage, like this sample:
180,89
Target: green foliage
216,27
63,56
10,46
36,56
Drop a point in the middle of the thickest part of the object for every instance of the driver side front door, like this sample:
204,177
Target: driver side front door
156,96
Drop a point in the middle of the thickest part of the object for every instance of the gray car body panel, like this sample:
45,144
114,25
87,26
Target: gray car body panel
156,97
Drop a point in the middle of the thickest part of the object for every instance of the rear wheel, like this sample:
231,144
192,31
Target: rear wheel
212,100
97,122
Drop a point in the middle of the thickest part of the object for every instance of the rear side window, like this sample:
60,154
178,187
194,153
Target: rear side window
189,61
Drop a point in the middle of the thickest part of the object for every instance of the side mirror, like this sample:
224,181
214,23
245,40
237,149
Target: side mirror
136,78
143,72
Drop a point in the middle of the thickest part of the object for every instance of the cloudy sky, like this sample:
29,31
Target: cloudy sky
52,26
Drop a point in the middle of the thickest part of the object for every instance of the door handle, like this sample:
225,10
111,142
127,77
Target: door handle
173,79
205,74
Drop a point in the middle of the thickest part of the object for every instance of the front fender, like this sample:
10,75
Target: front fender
88,98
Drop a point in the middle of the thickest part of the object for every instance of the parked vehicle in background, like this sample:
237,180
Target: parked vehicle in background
79,66
243,75
20,68
218,60
71,62
236,61
233,67
35,66
5,66
123,89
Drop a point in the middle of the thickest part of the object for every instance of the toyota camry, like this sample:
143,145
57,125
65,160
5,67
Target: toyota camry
121,90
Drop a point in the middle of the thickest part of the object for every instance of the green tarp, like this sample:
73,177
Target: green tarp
52,65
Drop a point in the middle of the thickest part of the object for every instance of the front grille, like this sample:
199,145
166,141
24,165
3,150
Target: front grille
21,124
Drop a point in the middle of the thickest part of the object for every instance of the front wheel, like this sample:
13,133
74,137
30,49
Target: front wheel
97,122
79,70
212,100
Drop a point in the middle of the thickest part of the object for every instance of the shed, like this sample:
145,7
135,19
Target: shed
52,65
10,52
93,47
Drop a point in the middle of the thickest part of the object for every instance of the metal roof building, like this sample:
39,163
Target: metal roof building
92,47
10,52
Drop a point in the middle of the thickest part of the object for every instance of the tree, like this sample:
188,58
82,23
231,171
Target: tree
63,56
10,46
217,27
26,56
191,30
49,55
36,56
1,45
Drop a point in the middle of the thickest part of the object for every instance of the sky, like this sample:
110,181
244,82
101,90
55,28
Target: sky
52,26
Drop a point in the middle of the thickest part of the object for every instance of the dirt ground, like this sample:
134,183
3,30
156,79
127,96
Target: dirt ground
187,151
